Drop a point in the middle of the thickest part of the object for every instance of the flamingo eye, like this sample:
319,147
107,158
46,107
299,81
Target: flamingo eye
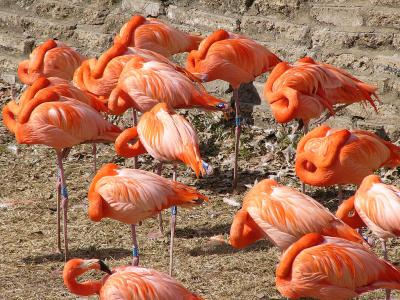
351,213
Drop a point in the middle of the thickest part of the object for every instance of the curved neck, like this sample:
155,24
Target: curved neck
85,288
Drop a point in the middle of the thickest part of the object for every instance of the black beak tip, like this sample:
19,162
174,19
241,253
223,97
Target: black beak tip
104,267
221,105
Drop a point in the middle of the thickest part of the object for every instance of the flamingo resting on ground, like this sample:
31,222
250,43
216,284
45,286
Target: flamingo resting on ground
283,215
167,137
61,123
328,268
130,196
328,156
305,89
376,205
50,59
232,58
128,283
154,35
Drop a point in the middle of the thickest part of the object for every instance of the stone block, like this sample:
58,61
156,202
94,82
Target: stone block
144,7
202,19
339,16
383,17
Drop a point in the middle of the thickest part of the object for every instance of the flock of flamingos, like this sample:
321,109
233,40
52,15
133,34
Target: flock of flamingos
324,256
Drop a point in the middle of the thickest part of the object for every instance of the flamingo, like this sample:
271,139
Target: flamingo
324,267
284,215
144,83
232,58
152,34
131,195
50,59
62,87
167,137
100,76
328,156
376,205
305,89
59,122
128,282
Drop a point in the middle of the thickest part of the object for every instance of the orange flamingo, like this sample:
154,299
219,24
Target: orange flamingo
232,58
144,83
50,59
100,76
324,267
283,214
167,137
376,205
128,283
59,122
154,35
328,156
132,195
305,89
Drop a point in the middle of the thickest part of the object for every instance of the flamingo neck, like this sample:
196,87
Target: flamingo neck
85,288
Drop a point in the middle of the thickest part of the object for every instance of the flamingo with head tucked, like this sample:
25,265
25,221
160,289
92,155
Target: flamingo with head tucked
327,268
167,137
283,215
61,123
131,196
50,59
305,89
328,156
233,58
376,205
128,283
154,35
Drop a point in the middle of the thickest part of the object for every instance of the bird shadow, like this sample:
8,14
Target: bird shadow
211,248
88,252
189,233
221,180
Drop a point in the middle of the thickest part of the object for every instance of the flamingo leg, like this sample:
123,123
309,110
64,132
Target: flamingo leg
135,248
64,199
340,194
58,187
160,233
385,256
237,137
174,212
135,122
94,152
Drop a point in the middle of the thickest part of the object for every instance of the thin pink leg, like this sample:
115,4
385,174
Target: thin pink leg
174,212
58,187
135,122
160,233
135,249
385,256
237,137
64,199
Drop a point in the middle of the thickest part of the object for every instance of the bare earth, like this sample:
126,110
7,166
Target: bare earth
31,268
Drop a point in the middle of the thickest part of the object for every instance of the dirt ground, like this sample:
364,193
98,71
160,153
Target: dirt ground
31,268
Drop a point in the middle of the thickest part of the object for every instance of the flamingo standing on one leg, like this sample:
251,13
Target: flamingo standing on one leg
305,89
323,267
376,205
152,34
167,137
328,156
283,215
50,59
235,59
130,196
60,123
128,283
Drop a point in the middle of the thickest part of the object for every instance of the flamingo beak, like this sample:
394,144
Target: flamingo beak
104,267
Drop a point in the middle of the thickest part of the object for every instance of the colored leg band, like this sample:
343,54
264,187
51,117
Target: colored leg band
174,210
135,252
64,192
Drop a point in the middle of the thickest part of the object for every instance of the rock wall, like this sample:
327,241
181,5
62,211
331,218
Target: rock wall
362,36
